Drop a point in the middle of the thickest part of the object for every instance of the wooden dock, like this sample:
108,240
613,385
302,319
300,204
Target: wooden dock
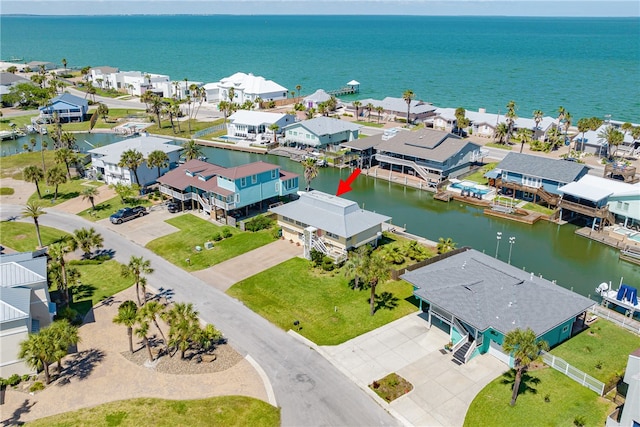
347,90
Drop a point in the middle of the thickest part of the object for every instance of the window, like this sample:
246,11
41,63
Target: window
565,329
243,182
333,236
254,179
274,173
619,205
237,198
277,187
625,206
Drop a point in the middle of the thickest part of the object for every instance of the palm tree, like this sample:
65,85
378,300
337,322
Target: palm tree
524,135
142,331
38,352
136,268
155,107
369,107
64,335
567,125
583,126
377,272
460,114
43,146
35,211
127,316
103,111
57,252
90,193
500,132
526,350
132,159
561,113
191,150
445,245
33,174
64,156
379,110
356,265
64,64
357,105
151,311
408,96
158,159
613,137
184,325
511,117
538,115
310,166
274,128
298,88
87,239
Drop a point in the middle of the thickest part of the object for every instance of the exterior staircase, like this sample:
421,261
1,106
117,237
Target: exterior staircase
460,354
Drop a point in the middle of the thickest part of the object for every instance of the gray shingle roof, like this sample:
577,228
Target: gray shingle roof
425,144
325,126
542,167
487,293
330,213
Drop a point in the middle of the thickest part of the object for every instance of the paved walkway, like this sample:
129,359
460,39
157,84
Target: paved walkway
226,274
104,375
77,204
442,390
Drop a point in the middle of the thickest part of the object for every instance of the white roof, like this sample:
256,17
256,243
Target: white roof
255,117
492,119
330,213
594,188
250,84
399,105
145,144
353,83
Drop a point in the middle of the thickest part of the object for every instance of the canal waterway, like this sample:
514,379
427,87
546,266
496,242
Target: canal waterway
546,249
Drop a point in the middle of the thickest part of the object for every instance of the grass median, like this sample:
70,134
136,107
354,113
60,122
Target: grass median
22,237
329,311
180,249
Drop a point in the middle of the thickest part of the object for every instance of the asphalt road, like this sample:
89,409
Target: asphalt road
310,391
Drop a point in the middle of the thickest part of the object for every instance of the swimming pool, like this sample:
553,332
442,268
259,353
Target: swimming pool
470,186
632,235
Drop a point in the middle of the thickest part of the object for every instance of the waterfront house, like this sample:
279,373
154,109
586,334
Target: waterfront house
255,125
432,155
246,87
219,191
394,109
70,108
38,65
591,142
8,80
328,223
104,160
479,299
131,82
628,414
601,201
101,76
316,98
534,178
25,306
324,133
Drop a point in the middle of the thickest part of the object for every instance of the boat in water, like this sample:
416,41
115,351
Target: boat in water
625,296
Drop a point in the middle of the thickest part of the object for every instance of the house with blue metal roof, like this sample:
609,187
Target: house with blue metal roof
25,306
534,178
480,299
70,108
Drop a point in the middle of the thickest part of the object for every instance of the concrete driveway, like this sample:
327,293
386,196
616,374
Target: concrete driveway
144,229
442,390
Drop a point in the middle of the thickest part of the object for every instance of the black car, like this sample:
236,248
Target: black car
125,214
174,207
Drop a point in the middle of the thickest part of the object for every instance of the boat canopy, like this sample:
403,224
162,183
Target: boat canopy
628,293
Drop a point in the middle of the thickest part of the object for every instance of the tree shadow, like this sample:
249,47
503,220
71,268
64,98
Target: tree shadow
164,296
103,207
82,291
385,300
104,253
526,385
80,365
14,419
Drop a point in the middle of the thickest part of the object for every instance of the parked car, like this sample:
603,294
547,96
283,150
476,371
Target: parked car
174,207
125,214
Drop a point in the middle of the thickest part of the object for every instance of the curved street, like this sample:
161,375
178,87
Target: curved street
310,391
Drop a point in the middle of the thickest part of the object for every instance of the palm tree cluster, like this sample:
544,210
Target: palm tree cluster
49,345
370,268
185,331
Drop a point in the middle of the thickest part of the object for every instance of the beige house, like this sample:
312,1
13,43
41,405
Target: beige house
25,306
328,223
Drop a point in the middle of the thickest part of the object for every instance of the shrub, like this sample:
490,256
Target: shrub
13,380
37,386
327,264
317,257
26,377
86,261
276,233
258,223
226,233
579,421
71,315
217,237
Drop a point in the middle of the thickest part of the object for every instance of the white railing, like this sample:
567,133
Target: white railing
204,203
469,352
572,372
621,320
420,169
460,343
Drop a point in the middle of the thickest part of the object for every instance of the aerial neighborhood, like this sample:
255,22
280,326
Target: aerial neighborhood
155,228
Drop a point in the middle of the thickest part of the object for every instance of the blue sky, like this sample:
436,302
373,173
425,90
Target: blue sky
618,8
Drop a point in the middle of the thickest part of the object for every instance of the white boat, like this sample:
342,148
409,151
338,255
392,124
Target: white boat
625,296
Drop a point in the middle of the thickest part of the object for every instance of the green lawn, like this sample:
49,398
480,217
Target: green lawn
114,114
12,166
228,411
478,176
98,281
497,145
180,246
7,191
538,208
373,124
329,311
105,209
604,344
19,121
567,400
21,236
69,190
196,126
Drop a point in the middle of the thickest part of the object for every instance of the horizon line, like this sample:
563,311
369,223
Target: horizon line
321,14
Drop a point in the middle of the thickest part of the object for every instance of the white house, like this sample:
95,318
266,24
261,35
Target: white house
132,82
591,142
321,132
246,87
394,109
25,306
317,97
255,124
104,160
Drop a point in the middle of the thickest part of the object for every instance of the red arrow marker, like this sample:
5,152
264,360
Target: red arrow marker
345,186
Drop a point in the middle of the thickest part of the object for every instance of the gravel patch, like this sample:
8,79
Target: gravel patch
226,357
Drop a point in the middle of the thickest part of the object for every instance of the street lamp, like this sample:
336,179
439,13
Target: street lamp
498,237
512,240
